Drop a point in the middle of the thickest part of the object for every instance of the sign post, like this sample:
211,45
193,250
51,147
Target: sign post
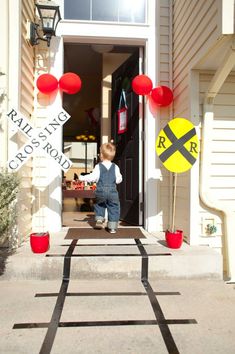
177,147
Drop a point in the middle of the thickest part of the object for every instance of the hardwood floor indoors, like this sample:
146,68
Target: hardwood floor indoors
72,214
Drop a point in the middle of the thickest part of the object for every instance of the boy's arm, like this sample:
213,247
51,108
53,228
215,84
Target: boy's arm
91,177
118,174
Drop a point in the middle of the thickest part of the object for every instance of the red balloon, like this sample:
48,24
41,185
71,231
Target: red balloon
142,85
162,95
70,83
47,83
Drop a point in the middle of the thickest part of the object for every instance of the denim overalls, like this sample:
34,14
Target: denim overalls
107,197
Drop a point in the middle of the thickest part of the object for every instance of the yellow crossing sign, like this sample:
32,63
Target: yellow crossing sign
177,145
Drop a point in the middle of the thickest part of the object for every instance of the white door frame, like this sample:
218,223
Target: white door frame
142,36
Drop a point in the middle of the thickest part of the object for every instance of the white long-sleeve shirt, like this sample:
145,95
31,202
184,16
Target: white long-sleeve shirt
95,174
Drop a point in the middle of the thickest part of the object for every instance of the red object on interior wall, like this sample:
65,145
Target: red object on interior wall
162,95
40,242
70,83
142,85
47,83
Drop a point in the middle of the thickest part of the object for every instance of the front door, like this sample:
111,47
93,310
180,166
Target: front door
127,143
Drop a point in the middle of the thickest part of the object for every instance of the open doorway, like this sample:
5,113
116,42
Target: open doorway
88,126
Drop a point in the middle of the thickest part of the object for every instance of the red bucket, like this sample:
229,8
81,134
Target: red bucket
39,242
174,239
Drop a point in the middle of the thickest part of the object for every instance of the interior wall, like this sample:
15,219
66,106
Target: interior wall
82,60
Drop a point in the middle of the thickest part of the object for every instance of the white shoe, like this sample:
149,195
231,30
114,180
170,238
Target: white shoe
112,231
99,224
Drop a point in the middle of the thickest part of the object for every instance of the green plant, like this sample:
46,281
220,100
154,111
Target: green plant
9,184
211,229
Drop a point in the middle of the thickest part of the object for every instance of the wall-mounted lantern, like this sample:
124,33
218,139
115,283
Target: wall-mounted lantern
49,14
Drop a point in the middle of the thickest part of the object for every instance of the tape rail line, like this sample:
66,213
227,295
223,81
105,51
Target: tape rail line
160,318
117,293
55,323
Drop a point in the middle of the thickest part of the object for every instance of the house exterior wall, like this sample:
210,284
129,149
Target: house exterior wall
222,167
196,28
47,174
4,80
227,18
26,104
164,69
203,60
18,67
171,59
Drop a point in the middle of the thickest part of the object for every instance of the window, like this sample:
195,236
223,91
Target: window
104,10
129,11
77,9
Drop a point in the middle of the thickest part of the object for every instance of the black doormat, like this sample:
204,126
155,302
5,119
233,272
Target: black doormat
124,232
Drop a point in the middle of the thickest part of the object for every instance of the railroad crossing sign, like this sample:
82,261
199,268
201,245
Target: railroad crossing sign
177,145
38,139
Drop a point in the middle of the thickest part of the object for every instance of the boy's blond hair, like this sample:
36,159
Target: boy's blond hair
107,151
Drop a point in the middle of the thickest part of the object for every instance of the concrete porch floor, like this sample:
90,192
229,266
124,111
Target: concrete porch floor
112,258
91,297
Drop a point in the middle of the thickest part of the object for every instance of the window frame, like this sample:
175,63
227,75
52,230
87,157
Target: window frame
108,22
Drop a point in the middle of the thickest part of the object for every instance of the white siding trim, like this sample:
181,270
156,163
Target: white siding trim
226,16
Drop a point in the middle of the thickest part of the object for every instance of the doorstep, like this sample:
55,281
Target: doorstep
113,259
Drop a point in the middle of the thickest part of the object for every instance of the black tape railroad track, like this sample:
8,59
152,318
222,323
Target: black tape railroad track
152,295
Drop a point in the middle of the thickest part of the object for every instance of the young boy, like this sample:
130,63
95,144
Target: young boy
106,174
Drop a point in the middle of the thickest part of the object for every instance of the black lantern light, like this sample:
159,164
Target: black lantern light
50,16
